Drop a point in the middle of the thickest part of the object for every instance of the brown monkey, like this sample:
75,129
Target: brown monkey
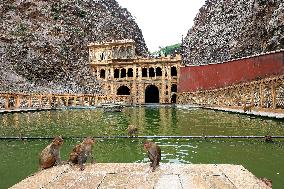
268,138
132,130
267,181
81,152
248,107
154,153
50,156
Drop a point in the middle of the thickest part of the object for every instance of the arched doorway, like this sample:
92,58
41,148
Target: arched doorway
152,94
174,98
123,90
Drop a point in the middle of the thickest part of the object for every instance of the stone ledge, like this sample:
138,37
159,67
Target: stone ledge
134,175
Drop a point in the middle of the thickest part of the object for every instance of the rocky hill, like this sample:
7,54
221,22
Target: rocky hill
228,29
43,43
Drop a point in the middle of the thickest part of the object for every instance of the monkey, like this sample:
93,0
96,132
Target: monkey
50,156
154,153
268,138
132,130
248,107
81,152
267,181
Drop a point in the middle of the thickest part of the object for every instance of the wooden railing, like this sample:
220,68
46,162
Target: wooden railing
265,94
13,101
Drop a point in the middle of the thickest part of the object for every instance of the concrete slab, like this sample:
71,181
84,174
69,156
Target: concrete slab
134,175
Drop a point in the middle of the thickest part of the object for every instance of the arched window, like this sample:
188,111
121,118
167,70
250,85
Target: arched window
130,72
151,72
144,72
173,71
123,73
102,73
159,71
116,73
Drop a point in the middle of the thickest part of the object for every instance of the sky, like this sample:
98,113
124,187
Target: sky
163,22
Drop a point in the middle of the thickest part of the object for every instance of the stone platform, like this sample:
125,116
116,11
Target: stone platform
134,175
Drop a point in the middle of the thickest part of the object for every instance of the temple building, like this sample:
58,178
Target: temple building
136,80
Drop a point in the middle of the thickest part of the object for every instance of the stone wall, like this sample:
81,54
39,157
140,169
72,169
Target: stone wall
228,29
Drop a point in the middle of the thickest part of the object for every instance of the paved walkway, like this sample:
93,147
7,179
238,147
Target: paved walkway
167,176
253,112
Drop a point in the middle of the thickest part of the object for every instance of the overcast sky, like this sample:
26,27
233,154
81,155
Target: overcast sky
163,22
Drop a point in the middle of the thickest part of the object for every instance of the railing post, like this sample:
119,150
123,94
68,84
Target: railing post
40,101
75,101
252,96
30,101
58,101
82,101
96,100
49,101
7,102
261,97
18,102
67,101
273,93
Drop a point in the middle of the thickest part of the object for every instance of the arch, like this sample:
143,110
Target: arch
102,73
174,98
173,71
130,72
152,94
123,73
123,90
159,71
174,88
151,72
144,72
116,73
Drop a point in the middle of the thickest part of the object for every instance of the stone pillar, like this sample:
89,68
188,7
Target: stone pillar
111,73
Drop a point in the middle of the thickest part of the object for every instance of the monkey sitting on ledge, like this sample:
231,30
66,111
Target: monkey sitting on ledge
50,156
132,131
154,153
248,107
82,152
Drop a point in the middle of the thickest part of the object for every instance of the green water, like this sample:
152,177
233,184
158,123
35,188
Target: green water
20,158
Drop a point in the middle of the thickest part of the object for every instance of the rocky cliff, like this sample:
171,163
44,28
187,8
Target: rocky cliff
43,43
228,29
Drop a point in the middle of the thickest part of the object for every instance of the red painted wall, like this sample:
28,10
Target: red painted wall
193,78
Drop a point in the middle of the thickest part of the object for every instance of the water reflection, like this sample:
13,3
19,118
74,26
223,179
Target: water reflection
150,121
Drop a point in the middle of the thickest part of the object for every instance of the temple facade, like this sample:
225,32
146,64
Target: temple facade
139,80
